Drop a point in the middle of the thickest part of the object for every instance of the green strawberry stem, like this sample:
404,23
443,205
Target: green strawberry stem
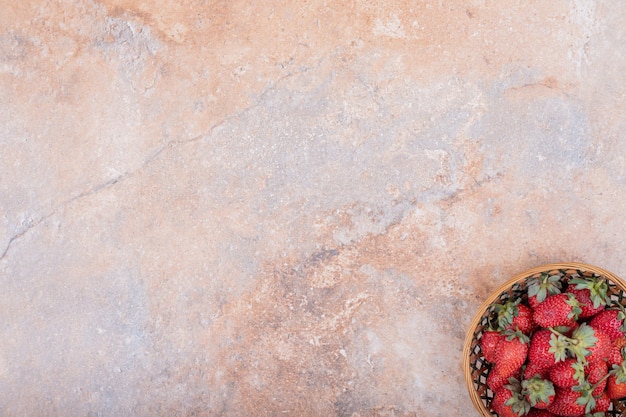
578,345
537,390
561,336
559,345
594,386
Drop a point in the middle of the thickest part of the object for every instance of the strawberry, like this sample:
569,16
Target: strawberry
532,369
546,349
508,401
511,354
557,310
586,304
596,372
568,373
514,315
533,301
568,328
592,294
616,356
568,403
541,287
587,344
603,402
488,343
616,384
538,392
522,320
611,322
601,349
615,389
495,381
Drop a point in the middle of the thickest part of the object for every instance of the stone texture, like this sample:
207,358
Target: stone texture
233,208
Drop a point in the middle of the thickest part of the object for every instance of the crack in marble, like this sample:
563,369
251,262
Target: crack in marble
42,219
241,112
17,236
84,194
170,144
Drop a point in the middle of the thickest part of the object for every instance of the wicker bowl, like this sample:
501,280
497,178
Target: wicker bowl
476,368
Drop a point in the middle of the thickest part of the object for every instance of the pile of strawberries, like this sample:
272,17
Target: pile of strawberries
557,350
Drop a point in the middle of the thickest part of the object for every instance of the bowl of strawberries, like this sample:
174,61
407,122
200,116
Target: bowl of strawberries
551,341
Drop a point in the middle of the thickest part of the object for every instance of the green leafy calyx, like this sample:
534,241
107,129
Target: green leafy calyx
583,338
537,390
544,285
598,289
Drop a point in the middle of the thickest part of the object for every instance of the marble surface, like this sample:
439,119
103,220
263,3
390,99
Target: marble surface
236,208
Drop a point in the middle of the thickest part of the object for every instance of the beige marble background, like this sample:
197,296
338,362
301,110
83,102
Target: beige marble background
269,208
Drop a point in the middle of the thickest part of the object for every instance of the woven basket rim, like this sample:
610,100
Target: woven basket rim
469,338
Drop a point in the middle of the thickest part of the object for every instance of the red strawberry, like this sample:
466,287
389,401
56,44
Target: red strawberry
511,354
538,392
591,292
495,381
602,347
541,287
566,403
513,315
532,369
523,320
610,322
595,373
568,373
568,328
614,389
509,402
557,310
616,384
533,302
488,343
587,344
603,402
587,307
545,350
616,356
